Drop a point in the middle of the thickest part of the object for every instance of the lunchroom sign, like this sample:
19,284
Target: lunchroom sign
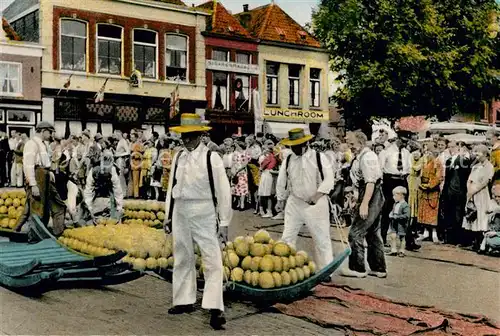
296,115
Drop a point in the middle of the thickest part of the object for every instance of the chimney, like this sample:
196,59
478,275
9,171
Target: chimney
245,17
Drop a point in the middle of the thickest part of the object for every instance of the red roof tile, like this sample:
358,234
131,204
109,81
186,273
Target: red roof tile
9,31
222,22
271,23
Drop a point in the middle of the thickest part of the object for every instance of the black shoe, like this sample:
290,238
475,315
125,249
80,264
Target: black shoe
181,309
217,319
413,247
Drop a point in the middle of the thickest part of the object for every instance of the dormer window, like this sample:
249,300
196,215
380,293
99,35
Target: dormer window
230,29
302,34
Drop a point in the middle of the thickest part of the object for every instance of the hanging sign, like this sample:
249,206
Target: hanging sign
296,115
252,69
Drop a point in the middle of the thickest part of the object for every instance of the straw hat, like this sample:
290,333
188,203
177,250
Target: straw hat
296,136
190,122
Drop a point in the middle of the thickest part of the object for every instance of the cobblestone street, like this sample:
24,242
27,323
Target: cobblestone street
438,276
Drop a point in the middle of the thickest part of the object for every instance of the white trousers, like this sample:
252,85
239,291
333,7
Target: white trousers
16,175
195,221
317,219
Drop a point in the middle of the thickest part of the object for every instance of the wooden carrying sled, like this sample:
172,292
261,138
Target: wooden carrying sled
47,265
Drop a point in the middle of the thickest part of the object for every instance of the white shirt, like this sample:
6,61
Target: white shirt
89,192
366,168
122,148
13,142
389,160
193,182
35,154
227,159
303,179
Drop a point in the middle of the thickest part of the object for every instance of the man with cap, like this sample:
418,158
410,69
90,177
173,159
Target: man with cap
198,206
395,163
39,178
103,185
304,181
366,177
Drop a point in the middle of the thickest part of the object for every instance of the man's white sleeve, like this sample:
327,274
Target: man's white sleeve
29,161
329,178
222,190
117,189
89,191
168,198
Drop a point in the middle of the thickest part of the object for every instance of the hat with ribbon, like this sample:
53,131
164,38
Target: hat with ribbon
191,122
296,137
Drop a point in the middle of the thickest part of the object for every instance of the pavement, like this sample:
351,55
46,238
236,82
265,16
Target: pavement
438,275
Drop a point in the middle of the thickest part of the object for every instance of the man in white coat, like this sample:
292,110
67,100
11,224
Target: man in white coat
304,181
198,206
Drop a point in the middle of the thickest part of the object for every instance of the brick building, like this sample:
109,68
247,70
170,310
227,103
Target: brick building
232,73
293,71
20,98
139,51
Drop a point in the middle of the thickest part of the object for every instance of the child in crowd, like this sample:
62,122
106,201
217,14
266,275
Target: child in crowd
491,240
400,219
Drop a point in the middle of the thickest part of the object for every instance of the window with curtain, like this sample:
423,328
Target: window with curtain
220,55
220,98
294,84
176,57
242,92
272,71
109,49
314,87
145,46
73,45
10,78
243,58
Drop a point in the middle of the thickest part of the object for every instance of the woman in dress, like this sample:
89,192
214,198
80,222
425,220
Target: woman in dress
267,163
428,197
137,150
478,195
165,164
414,183
239,173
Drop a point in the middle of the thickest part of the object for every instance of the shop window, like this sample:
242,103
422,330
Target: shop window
272,71
220,98
27,27
220,55
242,92
145,47
243,58
177,57
73,45
109,49
10,79
20,116
294,85
314,87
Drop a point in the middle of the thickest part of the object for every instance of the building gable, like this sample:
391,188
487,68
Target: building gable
271,23
222,22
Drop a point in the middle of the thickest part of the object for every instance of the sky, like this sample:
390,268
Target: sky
300,10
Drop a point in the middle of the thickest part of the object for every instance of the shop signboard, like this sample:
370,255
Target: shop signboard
293,115
252,69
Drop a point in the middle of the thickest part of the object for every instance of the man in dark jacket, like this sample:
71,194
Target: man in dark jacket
453,197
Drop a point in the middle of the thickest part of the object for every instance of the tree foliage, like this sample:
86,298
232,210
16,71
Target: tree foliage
411,57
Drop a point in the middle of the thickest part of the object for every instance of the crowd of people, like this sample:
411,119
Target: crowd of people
449,186
391,191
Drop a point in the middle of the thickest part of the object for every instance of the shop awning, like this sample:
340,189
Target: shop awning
280,129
